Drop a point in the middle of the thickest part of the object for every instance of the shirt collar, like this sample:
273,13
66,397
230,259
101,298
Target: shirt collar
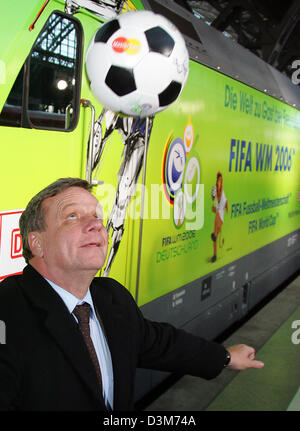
69,299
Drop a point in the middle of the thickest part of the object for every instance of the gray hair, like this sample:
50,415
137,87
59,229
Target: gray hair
33,218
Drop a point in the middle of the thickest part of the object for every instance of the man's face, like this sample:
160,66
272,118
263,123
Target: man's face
74,238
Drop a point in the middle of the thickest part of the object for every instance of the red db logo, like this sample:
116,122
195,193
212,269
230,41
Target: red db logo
16,244
11,259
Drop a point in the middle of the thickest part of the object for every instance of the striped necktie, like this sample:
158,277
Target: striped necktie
82,312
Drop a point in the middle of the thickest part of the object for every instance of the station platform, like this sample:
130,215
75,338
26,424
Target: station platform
274,331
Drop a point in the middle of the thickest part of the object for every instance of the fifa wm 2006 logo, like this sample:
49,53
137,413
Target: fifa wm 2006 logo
296,334
181,179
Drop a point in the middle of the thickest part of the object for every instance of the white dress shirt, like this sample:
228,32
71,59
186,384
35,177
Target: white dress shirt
97,336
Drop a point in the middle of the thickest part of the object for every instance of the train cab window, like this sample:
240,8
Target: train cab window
52,77
47,90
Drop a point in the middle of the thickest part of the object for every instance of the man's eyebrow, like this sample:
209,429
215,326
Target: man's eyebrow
72,204
64,207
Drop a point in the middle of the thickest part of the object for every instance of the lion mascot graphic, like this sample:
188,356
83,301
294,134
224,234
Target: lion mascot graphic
221,203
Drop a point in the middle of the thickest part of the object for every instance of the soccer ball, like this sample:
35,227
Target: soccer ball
137,63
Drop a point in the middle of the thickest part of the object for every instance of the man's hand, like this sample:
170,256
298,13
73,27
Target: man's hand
242,357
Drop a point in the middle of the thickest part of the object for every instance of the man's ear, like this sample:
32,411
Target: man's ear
35,243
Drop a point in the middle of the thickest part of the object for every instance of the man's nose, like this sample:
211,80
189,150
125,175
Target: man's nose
93,223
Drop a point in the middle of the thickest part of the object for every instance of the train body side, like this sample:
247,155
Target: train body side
238,128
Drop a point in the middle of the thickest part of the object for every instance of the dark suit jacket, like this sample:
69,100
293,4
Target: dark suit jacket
45,365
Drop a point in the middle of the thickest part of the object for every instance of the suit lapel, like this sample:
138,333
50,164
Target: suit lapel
62,327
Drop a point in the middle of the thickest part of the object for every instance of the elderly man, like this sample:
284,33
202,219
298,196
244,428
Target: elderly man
73,342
